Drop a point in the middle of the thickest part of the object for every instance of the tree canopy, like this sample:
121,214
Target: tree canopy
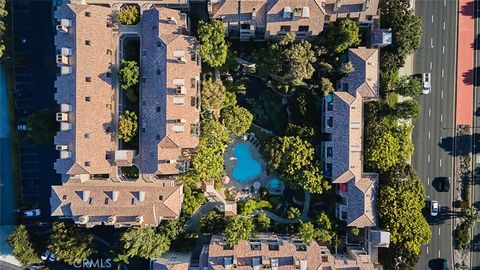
269,60
238,228
342,35
42,126
293,213
262,222
236,119
69,243
145,242
250,206
213,48
213,222
19,240
128,74
300,58
408,86
128,15
289,154
326,86
408,109
192,200
213,94
306,232
127,126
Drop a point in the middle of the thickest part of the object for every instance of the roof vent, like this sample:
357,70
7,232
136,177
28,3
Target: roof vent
141,196
112,219
83,219
62,117
139,219
172,20
287,12
64,154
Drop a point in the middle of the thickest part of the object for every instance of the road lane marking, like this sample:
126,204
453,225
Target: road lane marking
428,183
442,94
440,166
430,112
431,42
428,158
432,18
439,254
438,230
443,25
443,72
429,135
443,49
427,249
431,65
441,117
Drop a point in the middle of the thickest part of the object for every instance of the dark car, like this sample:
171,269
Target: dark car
445,265
444,183
438,264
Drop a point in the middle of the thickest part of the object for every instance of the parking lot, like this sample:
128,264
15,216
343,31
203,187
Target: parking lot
33,29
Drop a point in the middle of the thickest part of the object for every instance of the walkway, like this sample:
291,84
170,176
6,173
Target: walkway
278,219
465,69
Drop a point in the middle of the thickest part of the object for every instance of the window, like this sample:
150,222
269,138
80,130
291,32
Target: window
88,79
87,42
193,101
160,198
193,55
158,108
88,14
106,200
194,129
87,163
285,28
109,74
303,28
245,26
109,52
159,72
64,197
329,151
88,135
193,82
88,99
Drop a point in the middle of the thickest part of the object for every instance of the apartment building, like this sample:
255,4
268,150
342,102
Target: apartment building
343,153
95,191
265,19
270,251
183,5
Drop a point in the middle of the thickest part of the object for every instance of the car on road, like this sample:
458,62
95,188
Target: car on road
426,81
31,213
444,184
434,208
445,265
23,128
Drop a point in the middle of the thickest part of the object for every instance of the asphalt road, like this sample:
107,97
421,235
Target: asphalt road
433,134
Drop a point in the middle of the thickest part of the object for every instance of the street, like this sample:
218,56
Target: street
433,134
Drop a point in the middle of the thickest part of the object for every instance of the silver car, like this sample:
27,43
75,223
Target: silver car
427,85
434,208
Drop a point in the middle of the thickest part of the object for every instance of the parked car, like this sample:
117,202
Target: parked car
444,184
427,85
52,257
434,208
23,128
31,213
45,255
445,265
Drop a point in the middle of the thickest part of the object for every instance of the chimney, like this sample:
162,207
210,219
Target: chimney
254,14
115,196
141,196
85,195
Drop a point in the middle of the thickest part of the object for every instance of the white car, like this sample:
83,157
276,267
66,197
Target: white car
434,208
31,213
52,257
427,85
23,128
45,255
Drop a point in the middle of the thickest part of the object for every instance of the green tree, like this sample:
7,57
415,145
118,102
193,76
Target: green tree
293,213
400,206
42,126
408,86
342,35
384,154
69,243
288,154
311,179
189,178
128,15
192,201
324,230
355,231
127,126
208,163
300,58
304,132
269,60
408,109
23,250
326,86
144,242
307,232
347,68
213,48
236,119
128,74
213,222
251,206
263,222
213,94
238,228
214,135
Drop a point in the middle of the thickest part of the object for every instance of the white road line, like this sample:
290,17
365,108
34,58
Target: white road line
440,166
428,183
443,25
441,117
429,135
443,72
441,94
439,253
438,230
444,3
443,49
431,65
428,158
431,42
432,18
430,112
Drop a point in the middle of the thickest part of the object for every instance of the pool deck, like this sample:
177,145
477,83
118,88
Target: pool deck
231,162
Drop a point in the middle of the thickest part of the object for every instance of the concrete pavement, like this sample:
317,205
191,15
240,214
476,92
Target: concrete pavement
433,134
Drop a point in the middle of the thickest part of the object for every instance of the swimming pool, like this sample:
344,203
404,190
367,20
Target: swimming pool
247,167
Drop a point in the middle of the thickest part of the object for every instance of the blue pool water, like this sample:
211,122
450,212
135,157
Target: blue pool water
275,184
247,167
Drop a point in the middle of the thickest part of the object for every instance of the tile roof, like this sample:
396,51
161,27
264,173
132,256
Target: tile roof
167,115
91,101
347,138
101,199
278,252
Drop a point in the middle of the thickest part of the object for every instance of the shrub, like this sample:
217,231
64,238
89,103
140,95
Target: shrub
129,15
127,126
